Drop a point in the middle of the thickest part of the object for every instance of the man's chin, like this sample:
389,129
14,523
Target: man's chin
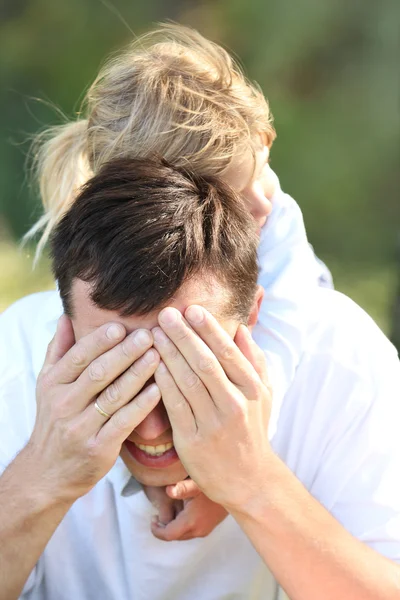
154,476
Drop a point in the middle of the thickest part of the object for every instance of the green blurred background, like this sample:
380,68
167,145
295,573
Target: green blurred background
328,68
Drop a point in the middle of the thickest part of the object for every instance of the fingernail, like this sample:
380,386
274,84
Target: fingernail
142,337
168,316
195,314
175,492
114,332
155,521
153,391
159,335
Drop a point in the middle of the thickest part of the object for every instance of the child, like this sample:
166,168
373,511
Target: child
176,95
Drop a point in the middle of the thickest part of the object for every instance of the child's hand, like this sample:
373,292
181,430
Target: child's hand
187,513
165,508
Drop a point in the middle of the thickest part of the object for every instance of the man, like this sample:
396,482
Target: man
160,307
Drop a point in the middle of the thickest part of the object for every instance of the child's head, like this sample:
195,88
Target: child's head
172,94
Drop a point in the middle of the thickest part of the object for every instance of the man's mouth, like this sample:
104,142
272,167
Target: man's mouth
155,450
159,456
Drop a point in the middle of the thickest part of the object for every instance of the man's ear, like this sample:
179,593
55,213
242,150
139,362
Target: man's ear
255,309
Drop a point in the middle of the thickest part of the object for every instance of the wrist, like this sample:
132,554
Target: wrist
42,493
263,494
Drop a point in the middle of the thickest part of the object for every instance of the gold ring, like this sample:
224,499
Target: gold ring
101,411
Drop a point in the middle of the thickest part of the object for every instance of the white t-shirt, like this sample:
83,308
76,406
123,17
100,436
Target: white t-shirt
337,431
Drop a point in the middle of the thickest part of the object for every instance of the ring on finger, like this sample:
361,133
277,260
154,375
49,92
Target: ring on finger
102,412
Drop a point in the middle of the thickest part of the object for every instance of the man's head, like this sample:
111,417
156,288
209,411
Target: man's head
143,235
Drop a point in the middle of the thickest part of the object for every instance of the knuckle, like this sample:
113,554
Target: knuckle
181,490
207,365
69,432
227,352
96,371
78,356
140,403
120,421
180,403
59,408
143,400
93,449
112,393
237,409
45,380
63,404
171,350
192,381
127,348
191,525
135,371
182,333
165,383
254,389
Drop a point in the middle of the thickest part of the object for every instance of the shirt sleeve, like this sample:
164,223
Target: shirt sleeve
289,274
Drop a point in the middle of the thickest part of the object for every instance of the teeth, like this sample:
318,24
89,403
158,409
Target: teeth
155,450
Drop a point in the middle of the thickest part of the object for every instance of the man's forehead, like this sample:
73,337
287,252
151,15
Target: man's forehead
87,316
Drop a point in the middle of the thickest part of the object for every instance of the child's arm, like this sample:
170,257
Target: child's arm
289,274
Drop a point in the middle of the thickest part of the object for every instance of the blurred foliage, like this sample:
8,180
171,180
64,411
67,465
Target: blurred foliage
18,278
328,68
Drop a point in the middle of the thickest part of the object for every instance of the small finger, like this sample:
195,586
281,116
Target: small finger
251,351
183,490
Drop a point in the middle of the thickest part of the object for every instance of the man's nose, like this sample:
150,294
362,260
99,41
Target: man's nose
155,424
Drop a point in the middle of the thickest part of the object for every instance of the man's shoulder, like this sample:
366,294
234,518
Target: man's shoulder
25,328
341,328
346,387
349,365
31,304
30,309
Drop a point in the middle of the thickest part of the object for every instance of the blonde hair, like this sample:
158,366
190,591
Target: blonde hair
171,93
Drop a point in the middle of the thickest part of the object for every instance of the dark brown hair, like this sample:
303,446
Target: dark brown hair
141,228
